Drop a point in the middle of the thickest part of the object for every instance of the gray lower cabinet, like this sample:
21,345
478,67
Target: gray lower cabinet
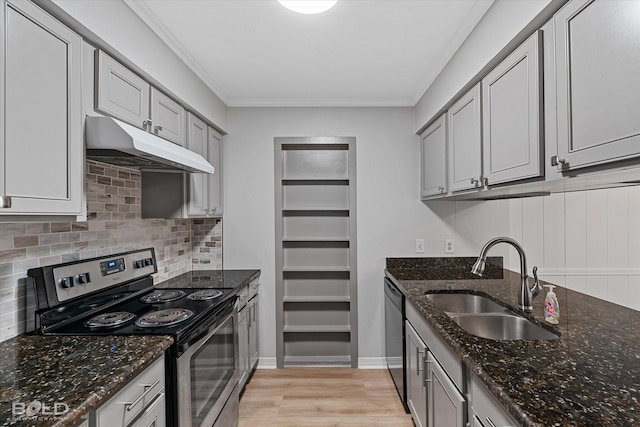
484,411
40,118
243,346
465,142
123,94
597,45
205,190
433,155
140,403
445,404
435,376
248,332
416,385
511,115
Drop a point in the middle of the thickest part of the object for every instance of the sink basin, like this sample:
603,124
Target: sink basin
502,326
465,303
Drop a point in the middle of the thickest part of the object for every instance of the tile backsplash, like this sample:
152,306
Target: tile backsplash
113,225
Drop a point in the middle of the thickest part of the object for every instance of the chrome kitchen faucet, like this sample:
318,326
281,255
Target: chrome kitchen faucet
525,294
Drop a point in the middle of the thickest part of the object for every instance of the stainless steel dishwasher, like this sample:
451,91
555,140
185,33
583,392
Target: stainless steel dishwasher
395,337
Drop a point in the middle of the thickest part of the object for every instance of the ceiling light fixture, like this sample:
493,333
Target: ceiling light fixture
308,7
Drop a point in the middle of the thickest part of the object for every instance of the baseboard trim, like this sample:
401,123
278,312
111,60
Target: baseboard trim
372,363
267,363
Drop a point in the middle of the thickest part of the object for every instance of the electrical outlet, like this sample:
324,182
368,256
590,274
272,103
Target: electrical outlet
449,247
419,246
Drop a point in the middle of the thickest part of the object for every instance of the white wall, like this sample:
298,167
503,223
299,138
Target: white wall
502,22
390,215
588,241
133,43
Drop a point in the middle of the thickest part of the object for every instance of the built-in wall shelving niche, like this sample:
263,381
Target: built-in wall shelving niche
315,251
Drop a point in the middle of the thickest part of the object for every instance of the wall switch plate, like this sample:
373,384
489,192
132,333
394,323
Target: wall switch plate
449,247
419,246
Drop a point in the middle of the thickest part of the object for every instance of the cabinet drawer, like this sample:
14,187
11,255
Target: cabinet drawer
447,358
486,407
121,408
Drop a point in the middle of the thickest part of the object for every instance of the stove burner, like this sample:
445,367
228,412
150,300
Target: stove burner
109,320
168,317
157,297
205,295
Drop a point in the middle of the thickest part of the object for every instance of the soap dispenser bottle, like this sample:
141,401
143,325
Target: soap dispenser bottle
551,306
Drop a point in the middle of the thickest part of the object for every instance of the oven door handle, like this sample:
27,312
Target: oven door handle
222,317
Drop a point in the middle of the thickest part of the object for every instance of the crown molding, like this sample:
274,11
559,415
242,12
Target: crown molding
152,21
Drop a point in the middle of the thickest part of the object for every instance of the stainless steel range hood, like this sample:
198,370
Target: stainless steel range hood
111,141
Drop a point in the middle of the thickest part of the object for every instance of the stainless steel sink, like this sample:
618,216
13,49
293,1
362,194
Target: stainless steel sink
485,318
502,326
465,303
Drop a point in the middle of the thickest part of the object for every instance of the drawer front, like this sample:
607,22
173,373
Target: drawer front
137,395
488,410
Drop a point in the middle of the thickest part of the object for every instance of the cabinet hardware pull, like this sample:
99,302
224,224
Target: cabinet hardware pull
419,356
490,422
441,189
147,389
557,161
426,375
474,181
157,128
146,124
5,202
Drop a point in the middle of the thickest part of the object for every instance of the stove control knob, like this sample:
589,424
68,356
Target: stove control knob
148,262
84,278
138,264
66,282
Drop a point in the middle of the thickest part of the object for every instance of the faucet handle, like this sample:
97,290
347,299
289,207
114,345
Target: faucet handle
535,290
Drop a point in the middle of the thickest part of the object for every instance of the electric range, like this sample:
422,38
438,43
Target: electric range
114,295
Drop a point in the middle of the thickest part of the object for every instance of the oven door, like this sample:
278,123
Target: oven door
207,368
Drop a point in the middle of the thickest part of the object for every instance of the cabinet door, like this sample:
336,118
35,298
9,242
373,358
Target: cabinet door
511,115
167,118
254,340
416,390
41,119
121,93
446,406
597,69
434,159
465,142
243,346
198,182
214,156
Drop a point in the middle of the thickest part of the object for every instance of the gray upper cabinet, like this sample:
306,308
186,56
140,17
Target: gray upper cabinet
205,190
120,92
465,142
126,96
214,156
597,67
167,117
198,182
511,115
41,120
433,152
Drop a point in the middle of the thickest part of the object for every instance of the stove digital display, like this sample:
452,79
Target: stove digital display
112,266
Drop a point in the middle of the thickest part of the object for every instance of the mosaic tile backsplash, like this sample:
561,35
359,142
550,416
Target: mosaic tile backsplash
113,225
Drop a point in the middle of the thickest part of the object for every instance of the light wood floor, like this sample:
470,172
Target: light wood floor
321,397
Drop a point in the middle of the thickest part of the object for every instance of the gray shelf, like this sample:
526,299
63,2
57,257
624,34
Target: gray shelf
315,251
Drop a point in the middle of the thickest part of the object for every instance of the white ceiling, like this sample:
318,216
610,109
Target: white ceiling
360,53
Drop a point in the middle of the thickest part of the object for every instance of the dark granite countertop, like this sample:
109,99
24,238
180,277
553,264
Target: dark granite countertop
211,279
80,372
590,376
